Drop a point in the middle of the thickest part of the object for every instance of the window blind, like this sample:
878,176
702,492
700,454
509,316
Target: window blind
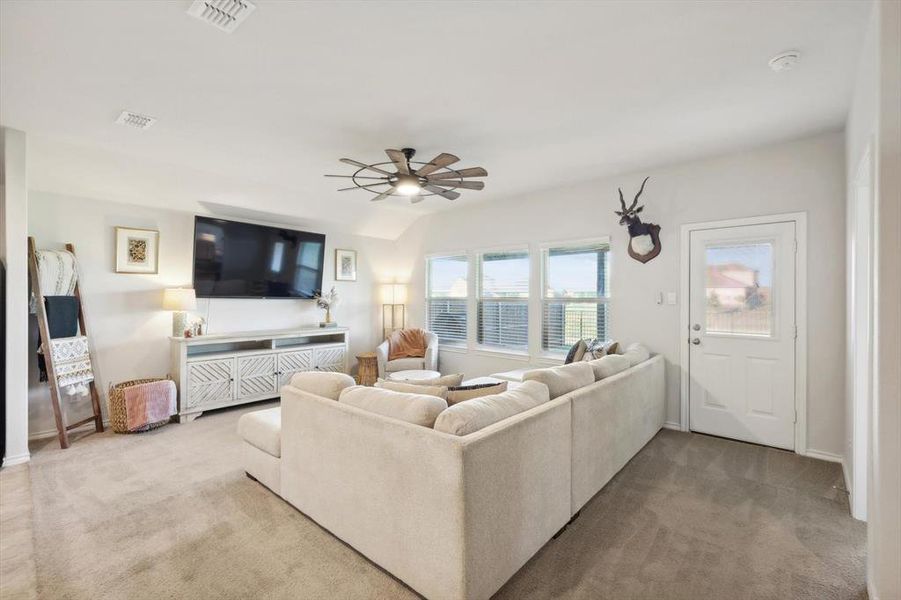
446,298
503,302
575,302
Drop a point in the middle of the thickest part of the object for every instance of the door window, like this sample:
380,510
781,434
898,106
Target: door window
739,289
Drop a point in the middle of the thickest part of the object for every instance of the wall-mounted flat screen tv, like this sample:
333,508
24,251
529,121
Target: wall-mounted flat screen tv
241,260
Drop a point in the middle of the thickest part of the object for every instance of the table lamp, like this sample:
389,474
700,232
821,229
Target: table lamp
179,300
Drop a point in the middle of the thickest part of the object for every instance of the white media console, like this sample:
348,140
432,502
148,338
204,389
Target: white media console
215,371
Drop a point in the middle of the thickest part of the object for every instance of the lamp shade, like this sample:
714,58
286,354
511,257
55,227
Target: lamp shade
394,293
179,299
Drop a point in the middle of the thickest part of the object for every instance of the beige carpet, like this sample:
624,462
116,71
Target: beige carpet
170,514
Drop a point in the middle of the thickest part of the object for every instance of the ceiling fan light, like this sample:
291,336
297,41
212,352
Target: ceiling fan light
408,189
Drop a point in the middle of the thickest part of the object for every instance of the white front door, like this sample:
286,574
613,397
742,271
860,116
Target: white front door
742,333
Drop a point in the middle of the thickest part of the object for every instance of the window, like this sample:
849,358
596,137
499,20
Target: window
503,300
446,297
574,305
739,289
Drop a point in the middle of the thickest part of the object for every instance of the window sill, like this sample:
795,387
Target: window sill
509,354
553,360
453,349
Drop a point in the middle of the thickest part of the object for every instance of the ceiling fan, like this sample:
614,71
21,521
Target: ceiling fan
413,179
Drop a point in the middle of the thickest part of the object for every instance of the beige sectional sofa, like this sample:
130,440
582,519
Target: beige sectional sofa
454,516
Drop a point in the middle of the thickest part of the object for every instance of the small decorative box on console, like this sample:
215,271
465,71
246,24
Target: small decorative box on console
215,371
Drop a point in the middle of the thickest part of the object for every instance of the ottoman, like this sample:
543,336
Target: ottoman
261,454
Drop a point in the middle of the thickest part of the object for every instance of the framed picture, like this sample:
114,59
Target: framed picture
137,250
345,265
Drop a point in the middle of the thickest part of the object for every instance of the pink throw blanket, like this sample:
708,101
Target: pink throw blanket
149,403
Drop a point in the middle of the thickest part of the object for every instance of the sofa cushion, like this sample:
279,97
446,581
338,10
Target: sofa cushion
262,429
445,380
609,365
514,375
468,417
439,391
321,383
637,353
405,364
564,379
461,393
418,409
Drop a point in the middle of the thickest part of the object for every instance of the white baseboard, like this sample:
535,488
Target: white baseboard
829,456
49,433
672,425
18,459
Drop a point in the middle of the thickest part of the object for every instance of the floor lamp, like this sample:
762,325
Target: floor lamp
394,296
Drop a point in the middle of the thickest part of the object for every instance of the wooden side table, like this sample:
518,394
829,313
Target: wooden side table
367,368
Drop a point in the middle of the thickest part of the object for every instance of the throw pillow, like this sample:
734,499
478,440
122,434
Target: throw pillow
575,353
470,416
445,380
597,348
418,409
468,392
438,391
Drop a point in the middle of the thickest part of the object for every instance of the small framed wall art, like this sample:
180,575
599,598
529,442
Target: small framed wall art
137,250
345,265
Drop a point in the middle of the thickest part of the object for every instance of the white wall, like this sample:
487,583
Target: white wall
13,222
805,175
875,120
127,326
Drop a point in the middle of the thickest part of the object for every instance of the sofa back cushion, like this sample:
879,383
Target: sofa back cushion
475,414
445,380
609,365
419,409
321,383
439,391
564,379
637,353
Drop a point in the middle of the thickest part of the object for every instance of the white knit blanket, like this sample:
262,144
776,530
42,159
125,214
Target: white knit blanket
57,274
72,362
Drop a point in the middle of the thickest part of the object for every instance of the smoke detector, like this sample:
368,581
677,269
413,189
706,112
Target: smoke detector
222,14
785,61
133,119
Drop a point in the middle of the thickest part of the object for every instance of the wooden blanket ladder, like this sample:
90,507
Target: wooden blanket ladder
44,330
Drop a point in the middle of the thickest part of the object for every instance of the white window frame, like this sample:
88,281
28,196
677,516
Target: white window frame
463,345
543,300
489,349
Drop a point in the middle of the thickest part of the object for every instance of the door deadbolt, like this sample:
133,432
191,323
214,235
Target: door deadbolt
696,327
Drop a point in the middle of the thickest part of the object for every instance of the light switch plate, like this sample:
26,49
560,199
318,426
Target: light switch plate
671,298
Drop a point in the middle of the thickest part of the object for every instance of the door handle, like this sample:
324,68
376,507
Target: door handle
695,341
696,327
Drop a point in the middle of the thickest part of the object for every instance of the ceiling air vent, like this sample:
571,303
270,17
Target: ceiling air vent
133,119
222,14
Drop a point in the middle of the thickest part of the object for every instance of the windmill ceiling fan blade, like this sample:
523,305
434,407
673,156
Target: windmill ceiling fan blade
383,195
471,172
400,161
466,185
357,163
439,162
363,187
358,177
450,195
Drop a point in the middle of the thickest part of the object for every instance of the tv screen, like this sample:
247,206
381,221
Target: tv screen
240,260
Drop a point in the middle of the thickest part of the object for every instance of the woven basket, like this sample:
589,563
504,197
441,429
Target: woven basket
118,418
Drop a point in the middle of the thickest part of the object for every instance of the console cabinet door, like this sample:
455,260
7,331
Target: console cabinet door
256,376
210,382
329,359
293,362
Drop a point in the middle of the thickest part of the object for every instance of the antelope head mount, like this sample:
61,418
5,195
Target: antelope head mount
644,238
